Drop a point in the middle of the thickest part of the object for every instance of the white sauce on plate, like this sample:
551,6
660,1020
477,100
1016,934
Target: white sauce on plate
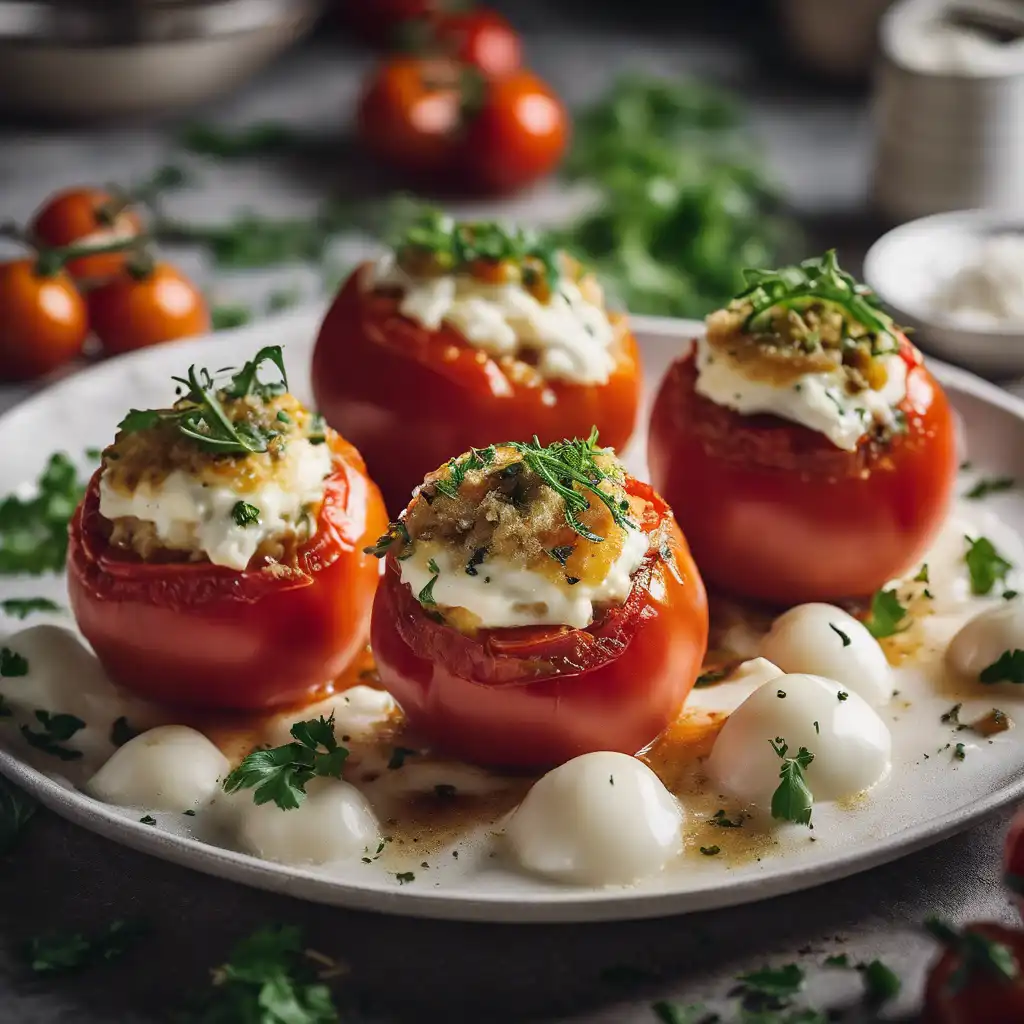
570,335
504,595
818,401
186,512
988,291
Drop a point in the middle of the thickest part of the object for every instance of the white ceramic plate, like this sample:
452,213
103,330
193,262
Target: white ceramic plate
934,798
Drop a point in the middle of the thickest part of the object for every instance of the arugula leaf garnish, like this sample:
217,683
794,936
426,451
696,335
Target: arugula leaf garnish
280,774
34,531
16,810
23,607
888,616
792,800
986,566
1007,668
57,729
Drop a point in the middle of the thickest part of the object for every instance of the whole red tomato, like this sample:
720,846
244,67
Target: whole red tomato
408,397
978,979
480,38
43,321
774,511
199,635
85,215
516,135
408,115
137,309
536,697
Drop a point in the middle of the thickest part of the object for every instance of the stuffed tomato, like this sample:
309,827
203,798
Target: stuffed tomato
538,603
806,450
464,333
216,560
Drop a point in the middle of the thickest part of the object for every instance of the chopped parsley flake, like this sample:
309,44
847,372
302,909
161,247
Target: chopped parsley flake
842,695
887,616
959,752
985,565
720,819
398,756
990,485
792,800
839,633
57,729
243,513
404,877
710,678
922,574
711,851
121,732
952,716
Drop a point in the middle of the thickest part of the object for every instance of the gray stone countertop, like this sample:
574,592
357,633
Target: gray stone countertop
64,877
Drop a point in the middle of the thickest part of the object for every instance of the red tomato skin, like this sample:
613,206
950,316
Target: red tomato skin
204,636
409,397
985,999
43,322
1013,860
775,512
128,313
481,38
71,216
487,700
518,135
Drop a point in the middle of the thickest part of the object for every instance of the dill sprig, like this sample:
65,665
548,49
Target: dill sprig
199,414
817,280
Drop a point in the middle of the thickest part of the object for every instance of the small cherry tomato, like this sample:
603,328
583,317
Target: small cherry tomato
192,634
978,979
517,134
774,511
535,697
481,38
409,397
85,215
43,322
409,113
135,310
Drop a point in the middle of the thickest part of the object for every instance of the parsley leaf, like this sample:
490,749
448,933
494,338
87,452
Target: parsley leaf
23,607
887,616
57,730
34,531
985,565
405,877
60,954
1007,668
280,774
16,809
991,485
880,982
792,800
774,984
243,513
12,664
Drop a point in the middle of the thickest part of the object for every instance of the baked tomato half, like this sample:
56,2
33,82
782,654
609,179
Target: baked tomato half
533,696
979,978
409,387
177,626
782,512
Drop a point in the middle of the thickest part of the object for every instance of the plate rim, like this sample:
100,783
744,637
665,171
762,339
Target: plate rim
565,905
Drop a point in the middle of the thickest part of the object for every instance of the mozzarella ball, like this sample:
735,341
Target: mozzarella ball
823,640
600,819
981,640
333,823
357,711
169,768
851,745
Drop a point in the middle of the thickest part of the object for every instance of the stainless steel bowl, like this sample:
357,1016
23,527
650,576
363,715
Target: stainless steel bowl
85,58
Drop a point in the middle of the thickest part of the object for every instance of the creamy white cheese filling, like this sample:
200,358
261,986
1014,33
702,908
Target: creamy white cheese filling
187,513
818,401
570,335
503,595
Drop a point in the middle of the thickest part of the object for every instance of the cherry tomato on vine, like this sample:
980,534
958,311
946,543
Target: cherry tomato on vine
43,322
85,215
479,37
146,307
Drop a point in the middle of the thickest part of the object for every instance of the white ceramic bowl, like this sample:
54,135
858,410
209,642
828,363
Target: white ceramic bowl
907,268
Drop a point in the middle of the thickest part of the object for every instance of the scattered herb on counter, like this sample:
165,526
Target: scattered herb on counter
985,565
771,985
244,514
839,633
990,485
57,729
34,531
710,678
881,983
12,664
399,755
60,954
122,731
16,810
270,979
792,800
23,607
682,203
887,616
262,138
280,774
224,317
